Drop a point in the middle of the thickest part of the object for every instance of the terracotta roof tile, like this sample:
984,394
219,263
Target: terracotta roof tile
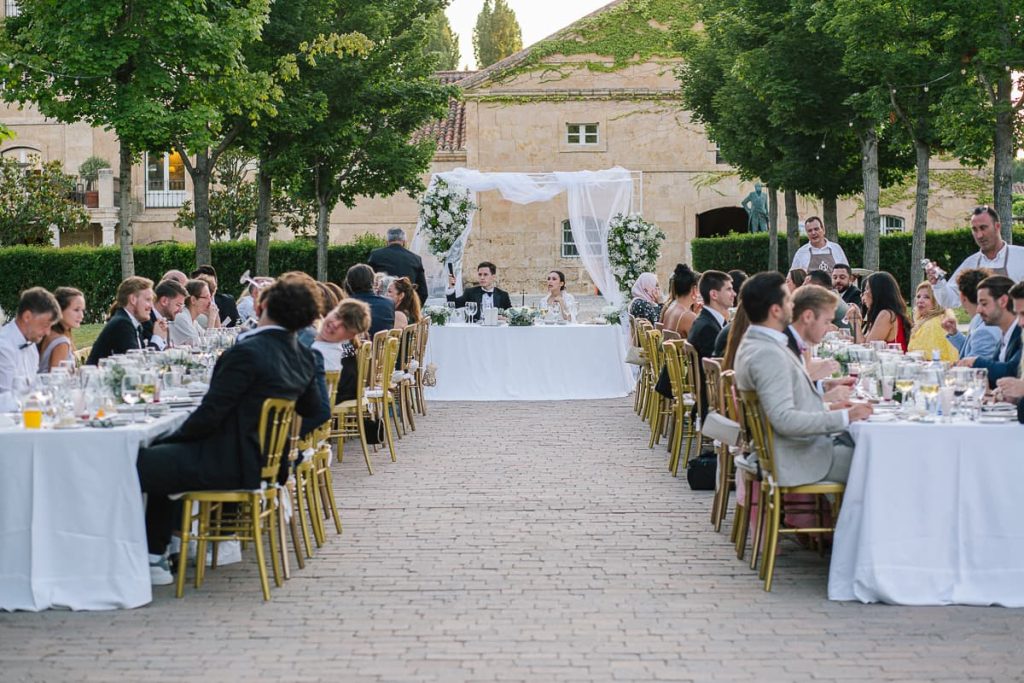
449,132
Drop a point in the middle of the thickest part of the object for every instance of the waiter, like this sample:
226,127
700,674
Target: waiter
994,254
819,253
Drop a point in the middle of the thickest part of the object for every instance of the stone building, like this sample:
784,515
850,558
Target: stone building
573,101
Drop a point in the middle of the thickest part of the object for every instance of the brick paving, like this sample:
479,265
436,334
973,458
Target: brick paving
518,542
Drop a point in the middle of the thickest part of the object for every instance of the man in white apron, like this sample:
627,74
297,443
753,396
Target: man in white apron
993,253
819,253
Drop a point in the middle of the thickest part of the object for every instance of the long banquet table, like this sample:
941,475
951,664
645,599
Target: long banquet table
931,516
537,363
72,532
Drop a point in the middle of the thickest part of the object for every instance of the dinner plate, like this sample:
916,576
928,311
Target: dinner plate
70,426
882,417
996,419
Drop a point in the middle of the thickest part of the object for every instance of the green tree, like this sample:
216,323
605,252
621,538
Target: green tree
442,42
497,34
31,202
159,73
363,143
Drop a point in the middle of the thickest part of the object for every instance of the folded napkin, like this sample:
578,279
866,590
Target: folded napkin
6,421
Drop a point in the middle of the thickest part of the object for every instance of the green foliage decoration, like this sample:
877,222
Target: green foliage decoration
95,270
89,171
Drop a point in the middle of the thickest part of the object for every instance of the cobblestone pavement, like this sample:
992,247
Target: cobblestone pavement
518,542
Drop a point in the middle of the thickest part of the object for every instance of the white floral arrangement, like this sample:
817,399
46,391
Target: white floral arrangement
612,315
438,314
634,246
520,316
444,214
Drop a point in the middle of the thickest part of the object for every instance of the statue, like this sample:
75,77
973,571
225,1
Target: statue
756,206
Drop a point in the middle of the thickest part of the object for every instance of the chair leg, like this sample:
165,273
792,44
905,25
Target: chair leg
317,509
758,527
740,523
362,442
256,531
282,538
302,505
774,520
328,499
387,428
273,534
203,533
677,442
186,533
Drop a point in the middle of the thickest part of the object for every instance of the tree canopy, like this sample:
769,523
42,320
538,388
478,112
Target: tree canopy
442,42
31,200
497,33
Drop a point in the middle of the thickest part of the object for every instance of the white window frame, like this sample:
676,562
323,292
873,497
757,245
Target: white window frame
889,224
165,198
11,8
583,134
569,250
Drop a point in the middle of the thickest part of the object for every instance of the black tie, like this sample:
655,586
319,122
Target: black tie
138,335
25,345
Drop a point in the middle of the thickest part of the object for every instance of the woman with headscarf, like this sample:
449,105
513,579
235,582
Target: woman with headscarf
646,301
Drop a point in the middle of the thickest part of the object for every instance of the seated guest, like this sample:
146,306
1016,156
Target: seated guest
210,318
823,279
647,298
485,295
996,308
247,303
807,330
123,330
718,296
184,329
359,286
37,311
1012,388
795,278
224,302
843,283
679,315
928,335
217,447
730,337
738,278
407,305
557,295
339,339
884,317
175,275
57,346
805,451
981,340
397,261
169,299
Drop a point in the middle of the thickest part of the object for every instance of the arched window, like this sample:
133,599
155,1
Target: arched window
891,224
27,157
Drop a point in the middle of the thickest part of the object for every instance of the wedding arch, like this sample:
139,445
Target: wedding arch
594,198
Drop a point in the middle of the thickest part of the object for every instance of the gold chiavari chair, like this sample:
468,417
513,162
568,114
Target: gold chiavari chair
257,510
82,355
638,332
323,481
660,408
691,386
350,416
771,501
421,358
380,394
682,403
724,472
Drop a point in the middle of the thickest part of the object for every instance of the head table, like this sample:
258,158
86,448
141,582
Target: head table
72,532
931,516
531,363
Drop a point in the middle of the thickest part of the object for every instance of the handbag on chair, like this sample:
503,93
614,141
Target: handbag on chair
720,428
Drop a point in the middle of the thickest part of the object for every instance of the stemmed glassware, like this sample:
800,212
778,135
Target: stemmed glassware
147,390
929,382
906,378
470,311
130,392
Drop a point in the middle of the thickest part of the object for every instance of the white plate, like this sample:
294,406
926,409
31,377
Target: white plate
77,425
882,417
995,419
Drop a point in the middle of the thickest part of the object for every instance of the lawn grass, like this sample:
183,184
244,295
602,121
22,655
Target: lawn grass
86,335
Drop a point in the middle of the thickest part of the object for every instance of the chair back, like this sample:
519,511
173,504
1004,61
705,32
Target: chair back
388,359
407,349
692,373
759,430
674,363
421,339
732,407
275,435
376,358
713,382
670,334
82,355
364,370
332,379
654,350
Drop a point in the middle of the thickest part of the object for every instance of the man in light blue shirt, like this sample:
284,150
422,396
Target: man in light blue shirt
981,340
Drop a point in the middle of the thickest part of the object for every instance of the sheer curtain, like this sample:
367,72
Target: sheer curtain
594,197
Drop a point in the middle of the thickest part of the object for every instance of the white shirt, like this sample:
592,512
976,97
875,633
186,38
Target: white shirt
1004,343
159,342
331,351
251,333
721,318
802,257
19,359
183,330
946,291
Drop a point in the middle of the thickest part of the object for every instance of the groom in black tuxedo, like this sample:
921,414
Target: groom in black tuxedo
218,446
486,292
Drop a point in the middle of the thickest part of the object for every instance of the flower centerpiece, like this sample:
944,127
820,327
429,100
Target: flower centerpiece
612,315
444,214
520,316
634,246
438,314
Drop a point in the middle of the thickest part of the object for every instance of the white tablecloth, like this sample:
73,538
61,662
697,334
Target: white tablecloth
538,363
931,516
72,532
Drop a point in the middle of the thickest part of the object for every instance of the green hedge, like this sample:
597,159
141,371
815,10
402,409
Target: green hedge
749,252
97,270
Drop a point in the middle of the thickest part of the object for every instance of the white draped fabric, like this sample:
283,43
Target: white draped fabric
595,197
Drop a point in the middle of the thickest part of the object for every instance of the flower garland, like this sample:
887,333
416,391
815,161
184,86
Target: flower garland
634,246
444,214
520,316
438,314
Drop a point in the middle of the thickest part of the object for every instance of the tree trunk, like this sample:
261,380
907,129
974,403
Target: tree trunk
1002,191
830,214
792,226
872,220
773,228
201,202
917,249
263,225
323,237
125,217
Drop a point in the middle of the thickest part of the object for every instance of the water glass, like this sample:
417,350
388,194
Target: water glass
470,311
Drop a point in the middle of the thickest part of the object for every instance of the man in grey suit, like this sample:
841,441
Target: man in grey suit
805,451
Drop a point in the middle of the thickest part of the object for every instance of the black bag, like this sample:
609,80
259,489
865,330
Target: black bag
702,471
374,429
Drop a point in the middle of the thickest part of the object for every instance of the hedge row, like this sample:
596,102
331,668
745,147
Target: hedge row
97,270
749,252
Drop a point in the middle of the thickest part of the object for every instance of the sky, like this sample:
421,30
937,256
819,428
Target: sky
537,18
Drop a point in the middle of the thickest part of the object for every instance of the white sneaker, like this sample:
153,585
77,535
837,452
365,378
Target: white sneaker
160,573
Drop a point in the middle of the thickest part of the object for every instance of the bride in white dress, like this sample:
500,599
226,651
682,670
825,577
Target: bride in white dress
557,295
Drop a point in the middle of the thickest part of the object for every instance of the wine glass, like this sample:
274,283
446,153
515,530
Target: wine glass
906,378
556,311
147,390
470,311
929,381
130,390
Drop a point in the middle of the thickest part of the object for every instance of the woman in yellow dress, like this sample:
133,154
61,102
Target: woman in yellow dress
928,335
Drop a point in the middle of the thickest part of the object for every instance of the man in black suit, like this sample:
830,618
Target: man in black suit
1012,388
995,306
359,285
397,261
227,308
169,299
484,294
718,295
218,446
123,330
843,283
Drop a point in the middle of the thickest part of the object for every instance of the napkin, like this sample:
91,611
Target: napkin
6,421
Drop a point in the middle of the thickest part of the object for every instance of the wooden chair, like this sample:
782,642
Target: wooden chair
691,389
82,355
637,331
681,405
713,385
323,482
380,394
350,416
659,407
771,501
421,357
257,510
